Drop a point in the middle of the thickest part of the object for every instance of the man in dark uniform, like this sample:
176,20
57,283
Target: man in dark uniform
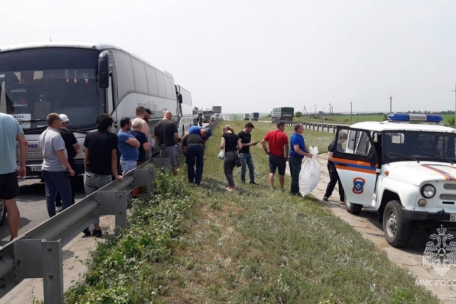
334,177
72,147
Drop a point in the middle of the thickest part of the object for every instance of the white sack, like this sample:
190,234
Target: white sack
310,173
221,154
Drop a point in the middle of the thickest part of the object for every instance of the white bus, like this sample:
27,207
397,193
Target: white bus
80,80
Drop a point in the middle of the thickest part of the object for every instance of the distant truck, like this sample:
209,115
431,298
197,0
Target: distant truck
217,109
246,116
254,116
208,111
282,114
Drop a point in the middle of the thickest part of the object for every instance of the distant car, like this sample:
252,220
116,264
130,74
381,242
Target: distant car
405,171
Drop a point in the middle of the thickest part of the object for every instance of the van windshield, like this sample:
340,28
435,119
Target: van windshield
417,145
36,82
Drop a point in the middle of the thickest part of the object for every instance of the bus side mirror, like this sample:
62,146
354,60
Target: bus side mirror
103,69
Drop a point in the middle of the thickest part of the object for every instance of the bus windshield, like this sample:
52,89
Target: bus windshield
36,82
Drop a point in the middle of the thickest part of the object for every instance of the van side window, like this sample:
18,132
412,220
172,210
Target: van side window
358,142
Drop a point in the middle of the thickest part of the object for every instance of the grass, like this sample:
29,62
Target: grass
206,245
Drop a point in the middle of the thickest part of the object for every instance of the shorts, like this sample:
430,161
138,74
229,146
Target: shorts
277,162
9,186
170,152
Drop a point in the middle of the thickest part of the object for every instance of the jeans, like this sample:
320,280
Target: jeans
295,169
228,166
93,182
127,165
334,178
57,181
246,159
74,185
195,155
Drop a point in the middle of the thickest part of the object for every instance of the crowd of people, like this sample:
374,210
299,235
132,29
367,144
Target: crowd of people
104,151
236,149
277,147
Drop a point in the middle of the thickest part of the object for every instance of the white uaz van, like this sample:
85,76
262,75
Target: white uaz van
405,168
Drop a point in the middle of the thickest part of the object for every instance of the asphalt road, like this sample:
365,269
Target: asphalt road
32,207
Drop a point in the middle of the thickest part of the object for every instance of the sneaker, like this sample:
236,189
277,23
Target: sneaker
253,183
58,208
97,233
325,199
244,181
86,232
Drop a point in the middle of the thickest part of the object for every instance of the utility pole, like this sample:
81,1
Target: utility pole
391,103
315,107
454,105
329,111
351,111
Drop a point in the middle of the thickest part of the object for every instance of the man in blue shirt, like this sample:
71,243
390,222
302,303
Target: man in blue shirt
297,152
128,146
10,132
205,132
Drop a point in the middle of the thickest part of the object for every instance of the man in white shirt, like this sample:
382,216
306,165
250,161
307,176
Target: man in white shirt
55,164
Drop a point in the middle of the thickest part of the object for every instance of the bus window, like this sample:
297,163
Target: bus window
140,76
124,74
161,84
151,80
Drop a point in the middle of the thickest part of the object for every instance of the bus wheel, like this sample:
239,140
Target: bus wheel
2,212
395,226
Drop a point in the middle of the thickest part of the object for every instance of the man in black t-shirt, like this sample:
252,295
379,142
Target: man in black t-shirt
72,148
334,177
244,153
166,137
100,161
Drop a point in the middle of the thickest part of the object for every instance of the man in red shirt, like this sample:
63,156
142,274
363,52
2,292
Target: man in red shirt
278,153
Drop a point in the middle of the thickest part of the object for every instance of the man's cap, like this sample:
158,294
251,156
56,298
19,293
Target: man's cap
149,111
64,118
208,132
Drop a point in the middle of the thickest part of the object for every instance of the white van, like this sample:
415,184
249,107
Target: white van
405,168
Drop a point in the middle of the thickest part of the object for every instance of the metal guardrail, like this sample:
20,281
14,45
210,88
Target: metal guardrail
38,252
330,128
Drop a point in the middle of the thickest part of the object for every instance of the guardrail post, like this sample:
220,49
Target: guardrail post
52,272
41,259
120,209
144,178
114,202
162,162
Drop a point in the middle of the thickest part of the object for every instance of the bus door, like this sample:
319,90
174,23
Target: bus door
356,161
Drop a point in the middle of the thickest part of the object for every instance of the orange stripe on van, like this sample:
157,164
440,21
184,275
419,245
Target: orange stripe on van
341,167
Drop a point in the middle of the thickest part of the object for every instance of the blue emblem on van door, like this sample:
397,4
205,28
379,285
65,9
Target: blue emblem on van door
358,185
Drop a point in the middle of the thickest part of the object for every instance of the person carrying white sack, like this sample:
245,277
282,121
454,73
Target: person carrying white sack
334,177
297,152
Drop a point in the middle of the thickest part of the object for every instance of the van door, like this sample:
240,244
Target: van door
356,163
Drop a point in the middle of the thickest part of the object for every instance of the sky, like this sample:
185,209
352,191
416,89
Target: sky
251,56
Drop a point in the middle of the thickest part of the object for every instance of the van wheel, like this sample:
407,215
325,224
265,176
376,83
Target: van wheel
352,208
2,212
395,226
